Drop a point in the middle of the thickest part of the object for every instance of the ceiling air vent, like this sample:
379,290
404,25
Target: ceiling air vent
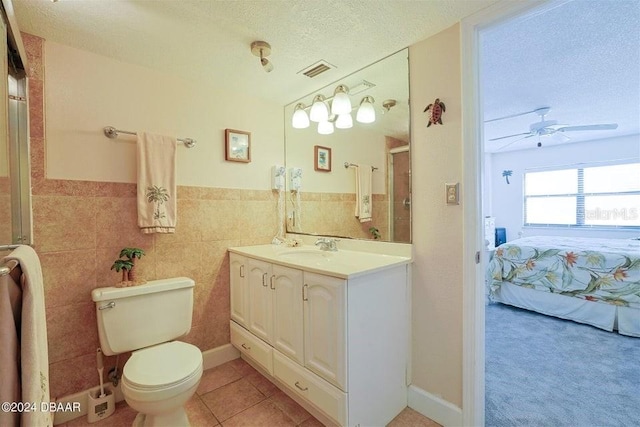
316,69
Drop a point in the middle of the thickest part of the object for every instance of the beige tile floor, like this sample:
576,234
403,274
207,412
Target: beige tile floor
235,394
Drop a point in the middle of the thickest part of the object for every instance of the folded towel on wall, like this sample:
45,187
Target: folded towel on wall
34,351
156,183
363,193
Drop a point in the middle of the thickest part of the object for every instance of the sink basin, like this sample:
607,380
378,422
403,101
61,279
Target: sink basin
307,256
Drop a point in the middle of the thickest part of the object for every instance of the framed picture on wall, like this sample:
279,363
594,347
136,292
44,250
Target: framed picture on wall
237,146
322,158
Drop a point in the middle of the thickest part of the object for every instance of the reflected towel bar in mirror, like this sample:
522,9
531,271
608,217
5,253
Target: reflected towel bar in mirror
353,165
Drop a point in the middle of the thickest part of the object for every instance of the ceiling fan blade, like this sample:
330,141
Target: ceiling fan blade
542,110
512,142
511,136
589,127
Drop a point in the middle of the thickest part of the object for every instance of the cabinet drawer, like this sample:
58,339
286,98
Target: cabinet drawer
252,346
319,392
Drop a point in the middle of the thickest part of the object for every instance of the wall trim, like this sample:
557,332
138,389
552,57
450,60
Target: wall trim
210,359
473,355
434,407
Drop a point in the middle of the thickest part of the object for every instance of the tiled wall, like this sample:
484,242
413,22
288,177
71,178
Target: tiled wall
80,227
333,214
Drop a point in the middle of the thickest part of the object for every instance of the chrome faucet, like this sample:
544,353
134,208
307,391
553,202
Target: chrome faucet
327,244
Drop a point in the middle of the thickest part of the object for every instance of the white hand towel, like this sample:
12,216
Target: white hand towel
156,183
34,353
363,193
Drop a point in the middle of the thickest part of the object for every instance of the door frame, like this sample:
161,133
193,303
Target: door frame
473,357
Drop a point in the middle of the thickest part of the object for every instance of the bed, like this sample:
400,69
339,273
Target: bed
592,281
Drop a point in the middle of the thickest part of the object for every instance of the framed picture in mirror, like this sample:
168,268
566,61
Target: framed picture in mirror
237,146
322,158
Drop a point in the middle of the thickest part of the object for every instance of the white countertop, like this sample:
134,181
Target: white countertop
345,264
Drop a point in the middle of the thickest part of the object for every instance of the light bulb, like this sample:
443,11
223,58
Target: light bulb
341,103
319,111
344,121
300,120
266,64
325,128
366,112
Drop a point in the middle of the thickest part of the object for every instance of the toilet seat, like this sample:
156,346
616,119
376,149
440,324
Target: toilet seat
162,371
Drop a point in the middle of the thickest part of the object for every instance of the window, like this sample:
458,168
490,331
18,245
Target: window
585,196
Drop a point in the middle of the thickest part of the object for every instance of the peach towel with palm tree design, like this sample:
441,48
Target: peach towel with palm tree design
157,209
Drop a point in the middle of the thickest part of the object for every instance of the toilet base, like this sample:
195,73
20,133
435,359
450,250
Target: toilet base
176,418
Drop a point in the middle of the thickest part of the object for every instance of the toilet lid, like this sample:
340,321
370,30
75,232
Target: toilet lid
162,365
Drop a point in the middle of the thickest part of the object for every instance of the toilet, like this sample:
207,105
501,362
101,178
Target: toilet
161,374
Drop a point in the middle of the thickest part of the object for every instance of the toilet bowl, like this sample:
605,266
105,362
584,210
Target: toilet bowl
162,374
159,380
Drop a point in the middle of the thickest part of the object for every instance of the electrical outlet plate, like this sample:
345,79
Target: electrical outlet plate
452,193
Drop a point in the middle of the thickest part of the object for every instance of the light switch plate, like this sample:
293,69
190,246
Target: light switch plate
452,193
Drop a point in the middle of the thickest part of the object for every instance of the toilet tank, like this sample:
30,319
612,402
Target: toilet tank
141,316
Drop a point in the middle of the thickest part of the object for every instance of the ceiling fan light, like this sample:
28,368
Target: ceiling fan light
366,113
325,128
341,103
300,119
344,121
319,111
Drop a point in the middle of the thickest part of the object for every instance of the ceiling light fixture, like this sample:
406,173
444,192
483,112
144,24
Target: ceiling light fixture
262,50
366,113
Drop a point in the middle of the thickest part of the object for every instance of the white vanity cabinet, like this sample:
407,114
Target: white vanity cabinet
337,344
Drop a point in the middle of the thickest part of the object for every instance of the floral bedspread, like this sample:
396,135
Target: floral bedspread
603,270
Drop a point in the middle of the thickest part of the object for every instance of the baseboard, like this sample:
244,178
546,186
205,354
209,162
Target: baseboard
210,359
434,407
219,355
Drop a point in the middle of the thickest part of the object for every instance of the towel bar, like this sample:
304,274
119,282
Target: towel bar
112,133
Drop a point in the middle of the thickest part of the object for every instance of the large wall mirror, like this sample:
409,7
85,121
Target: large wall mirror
15,190
326,202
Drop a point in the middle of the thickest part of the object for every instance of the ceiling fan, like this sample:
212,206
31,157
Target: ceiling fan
547,127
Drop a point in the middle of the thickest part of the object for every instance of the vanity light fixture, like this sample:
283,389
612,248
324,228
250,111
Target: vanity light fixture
300,119
344,121
325,128
319,111
335,111
341,103
366,113
262,50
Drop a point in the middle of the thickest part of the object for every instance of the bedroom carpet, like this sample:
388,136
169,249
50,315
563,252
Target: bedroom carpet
544,371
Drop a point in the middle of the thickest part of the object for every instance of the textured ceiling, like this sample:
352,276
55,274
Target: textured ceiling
581,58
209,40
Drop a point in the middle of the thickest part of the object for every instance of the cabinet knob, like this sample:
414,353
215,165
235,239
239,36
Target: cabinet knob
264,280
297,384
243,345
242,270
304,294
272,284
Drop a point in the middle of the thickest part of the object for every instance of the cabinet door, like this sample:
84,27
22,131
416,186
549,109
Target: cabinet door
287,314
239,289
325,327
260,300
